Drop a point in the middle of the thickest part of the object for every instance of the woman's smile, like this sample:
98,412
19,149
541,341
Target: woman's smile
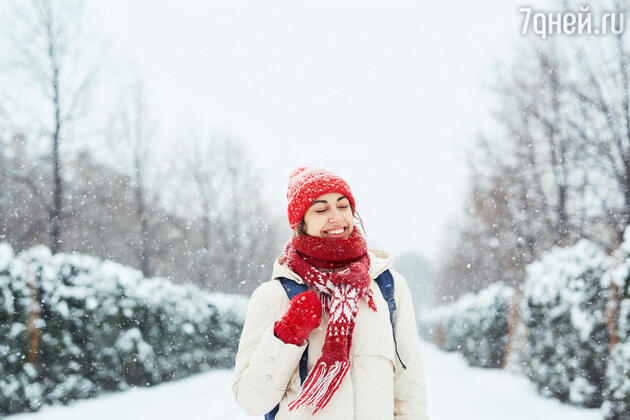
339,232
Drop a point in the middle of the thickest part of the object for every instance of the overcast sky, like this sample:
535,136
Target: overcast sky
388,94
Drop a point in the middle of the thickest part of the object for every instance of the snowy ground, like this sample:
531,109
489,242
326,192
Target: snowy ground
456,392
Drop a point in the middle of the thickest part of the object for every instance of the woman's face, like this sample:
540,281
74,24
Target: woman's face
328,214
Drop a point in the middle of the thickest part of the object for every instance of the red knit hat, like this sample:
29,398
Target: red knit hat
306,184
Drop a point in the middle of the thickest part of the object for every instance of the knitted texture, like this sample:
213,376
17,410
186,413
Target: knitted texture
302,317
306,184
338,268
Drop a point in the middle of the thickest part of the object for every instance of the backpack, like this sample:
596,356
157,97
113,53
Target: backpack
385,282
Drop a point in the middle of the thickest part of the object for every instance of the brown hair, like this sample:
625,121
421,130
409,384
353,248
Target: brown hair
300,230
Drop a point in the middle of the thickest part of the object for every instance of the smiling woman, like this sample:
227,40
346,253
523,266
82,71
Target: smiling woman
321,316
330,216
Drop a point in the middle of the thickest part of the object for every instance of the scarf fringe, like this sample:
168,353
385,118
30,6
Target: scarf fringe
320,385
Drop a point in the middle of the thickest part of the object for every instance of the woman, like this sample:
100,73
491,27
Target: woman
354,361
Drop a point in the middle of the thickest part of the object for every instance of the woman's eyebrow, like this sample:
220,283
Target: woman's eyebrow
326,202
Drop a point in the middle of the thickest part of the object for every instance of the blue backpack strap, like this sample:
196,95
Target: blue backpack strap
385,282
272,414
292,289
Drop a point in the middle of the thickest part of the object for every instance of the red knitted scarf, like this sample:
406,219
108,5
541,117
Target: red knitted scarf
338,268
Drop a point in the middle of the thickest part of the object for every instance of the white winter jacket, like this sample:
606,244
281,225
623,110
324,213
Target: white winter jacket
376,386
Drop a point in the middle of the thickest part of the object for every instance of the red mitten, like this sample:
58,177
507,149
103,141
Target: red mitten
302,317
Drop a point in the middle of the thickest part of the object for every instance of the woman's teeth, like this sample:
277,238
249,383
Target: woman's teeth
334,232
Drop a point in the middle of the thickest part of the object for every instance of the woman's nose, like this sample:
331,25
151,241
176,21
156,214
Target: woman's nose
335,217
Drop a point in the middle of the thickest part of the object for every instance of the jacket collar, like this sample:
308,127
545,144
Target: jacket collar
379,262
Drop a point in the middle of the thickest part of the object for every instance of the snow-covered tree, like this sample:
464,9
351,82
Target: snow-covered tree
554,165
567,338
45,84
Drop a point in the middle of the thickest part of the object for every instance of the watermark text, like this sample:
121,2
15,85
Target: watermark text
582,22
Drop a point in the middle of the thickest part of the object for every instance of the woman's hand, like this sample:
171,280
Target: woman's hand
302,317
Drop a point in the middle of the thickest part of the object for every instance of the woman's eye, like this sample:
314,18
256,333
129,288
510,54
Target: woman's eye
324,210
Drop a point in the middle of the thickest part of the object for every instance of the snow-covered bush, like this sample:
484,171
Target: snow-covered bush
476,325
567,342
103,327
616,405
19,389
617,395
